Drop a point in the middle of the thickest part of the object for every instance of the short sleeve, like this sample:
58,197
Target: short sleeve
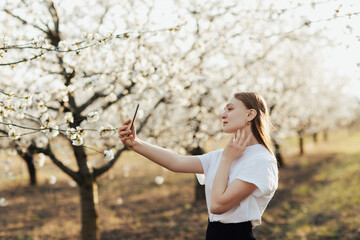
261,171
206,160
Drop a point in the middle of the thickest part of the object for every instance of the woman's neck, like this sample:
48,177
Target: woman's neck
253,139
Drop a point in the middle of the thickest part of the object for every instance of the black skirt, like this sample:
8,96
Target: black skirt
229,231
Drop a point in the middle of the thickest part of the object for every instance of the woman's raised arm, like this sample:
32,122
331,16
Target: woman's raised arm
164,157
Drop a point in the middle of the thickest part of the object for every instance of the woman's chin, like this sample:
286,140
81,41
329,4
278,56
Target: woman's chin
228,131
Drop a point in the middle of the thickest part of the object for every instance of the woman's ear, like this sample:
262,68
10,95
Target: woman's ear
251,114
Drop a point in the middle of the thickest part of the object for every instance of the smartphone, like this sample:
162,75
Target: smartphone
133,113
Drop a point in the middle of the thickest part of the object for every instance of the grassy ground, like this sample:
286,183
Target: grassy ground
318,198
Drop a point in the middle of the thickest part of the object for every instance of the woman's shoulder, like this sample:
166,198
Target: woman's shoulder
216,153
259,152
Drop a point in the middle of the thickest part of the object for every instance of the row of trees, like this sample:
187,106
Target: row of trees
70,70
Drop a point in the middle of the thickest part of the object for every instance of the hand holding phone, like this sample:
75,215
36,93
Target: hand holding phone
133,113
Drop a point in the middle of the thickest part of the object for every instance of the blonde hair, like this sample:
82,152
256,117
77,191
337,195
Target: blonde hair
260,126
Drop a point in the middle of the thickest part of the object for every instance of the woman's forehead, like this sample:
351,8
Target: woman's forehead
235,102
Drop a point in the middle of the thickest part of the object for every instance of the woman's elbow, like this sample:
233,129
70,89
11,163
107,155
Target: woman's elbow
217,209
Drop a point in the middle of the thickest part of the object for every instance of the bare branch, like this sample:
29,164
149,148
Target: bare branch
24,21
102,18
55,17
74,175
308,23
95,97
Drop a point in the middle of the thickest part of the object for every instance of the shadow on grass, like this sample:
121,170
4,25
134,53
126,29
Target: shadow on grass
31,207
305,205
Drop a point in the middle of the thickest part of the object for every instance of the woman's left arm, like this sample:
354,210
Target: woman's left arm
224,197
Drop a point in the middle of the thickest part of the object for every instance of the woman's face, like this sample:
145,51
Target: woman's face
234,115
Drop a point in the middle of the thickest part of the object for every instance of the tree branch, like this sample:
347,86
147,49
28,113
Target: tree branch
47,151
90,101
99,171
24,21
21,61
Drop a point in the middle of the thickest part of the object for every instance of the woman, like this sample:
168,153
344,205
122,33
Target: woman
240,179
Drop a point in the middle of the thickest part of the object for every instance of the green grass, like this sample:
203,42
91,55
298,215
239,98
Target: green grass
333,211
320,193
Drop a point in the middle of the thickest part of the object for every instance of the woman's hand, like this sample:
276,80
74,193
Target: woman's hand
236,145
127,136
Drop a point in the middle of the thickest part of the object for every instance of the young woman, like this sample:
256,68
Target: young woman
240,179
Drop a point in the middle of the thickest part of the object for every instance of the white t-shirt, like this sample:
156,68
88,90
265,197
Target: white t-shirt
257,166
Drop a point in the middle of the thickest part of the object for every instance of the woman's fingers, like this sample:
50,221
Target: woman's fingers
241,139
232,139
238,135
124,133
123,129
125,125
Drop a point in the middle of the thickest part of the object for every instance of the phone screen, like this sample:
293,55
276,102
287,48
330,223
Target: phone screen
133,113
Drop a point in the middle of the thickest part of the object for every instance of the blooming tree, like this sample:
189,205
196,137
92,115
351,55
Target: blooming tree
75,69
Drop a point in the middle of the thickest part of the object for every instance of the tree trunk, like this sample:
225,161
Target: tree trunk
278,153
29,159
315,137
89,210
301,142
199,189
325,135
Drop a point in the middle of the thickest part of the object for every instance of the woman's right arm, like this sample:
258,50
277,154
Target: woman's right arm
164,157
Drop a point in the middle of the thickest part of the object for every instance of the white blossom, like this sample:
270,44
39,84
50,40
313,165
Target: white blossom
81,131
111,97
41,141
72,183
69,118
42,107
159,180
107,131
3,112
19,106
53,130
45,119
72,133
3,202
28,101
120,200
41,160
126,171
52,180
10,95
77,140
108,155
65,98
20,115
93,116
12,134
71,88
